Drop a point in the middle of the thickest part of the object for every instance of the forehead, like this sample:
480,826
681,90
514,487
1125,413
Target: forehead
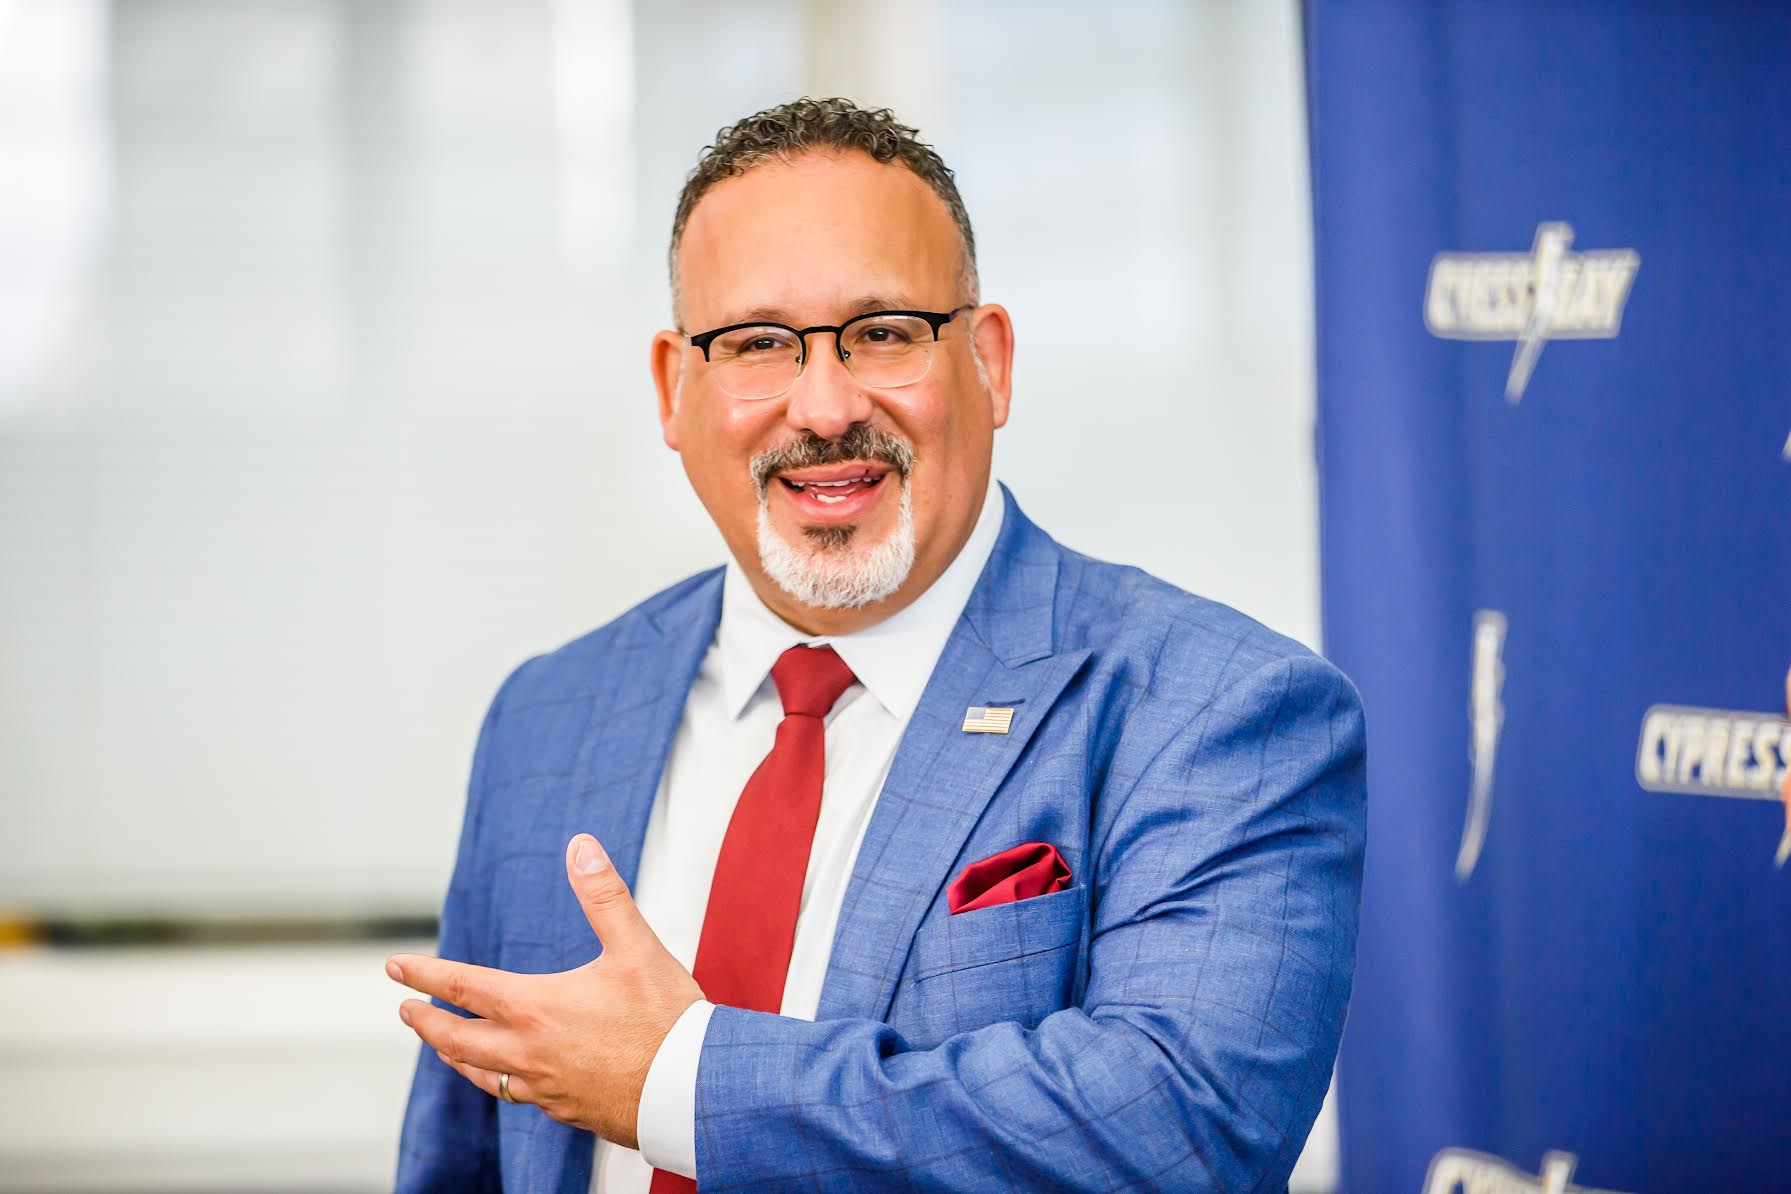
812,236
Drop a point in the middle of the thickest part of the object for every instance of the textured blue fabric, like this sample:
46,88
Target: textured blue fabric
1167,1022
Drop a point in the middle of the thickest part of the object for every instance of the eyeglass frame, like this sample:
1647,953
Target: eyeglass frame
935,319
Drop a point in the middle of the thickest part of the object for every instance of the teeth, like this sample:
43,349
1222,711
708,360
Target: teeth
800,485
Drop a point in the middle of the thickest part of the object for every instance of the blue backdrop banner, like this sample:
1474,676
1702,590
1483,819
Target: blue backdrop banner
1554,373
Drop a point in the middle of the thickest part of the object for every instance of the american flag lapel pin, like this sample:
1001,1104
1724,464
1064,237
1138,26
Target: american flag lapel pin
982,719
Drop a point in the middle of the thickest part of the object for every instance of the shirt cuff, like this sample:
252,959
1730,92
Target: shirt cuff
666,1121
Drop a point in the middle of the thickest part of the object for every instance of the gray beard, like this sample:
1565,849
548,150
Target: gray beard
829,571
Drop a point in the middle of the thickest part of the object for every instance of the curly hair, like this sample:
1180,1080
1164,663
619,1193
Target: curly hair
807,125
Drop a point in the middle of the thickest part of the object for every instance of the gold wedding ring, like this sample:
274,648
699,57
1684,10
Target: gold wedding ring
504,1089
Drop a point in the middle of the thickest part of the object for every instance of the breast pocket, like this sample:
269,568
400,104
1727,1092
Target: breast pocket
1014,961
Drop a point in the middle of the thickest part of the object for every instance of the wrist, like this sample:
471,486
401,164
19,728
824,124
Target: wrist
665,1120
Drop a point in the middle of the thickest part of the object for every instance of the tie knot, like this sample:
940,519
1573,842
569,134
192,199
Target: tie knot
810,679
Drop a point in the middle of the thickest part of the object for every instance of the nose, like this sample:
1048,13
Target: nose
826,398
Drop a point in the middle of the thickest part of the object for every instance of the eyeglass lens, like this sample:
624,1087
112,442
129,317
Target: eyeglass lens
763,362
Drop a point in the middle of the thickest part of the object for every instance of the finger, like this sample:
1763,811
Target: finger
480,990
604,897
476,1042
489,1080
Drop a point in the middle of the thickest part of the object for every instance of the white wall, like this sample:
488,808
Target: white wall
323,399
201,1069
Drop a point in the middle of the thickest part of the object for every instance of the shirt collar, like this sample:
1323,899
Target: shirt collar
893,658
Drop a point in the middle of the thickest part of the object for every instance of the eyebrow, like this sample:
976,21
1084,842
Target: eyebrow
860,306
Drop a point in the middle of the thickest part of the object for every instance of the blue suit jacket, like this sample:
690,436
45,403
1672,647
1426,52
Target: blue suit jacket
1168,1022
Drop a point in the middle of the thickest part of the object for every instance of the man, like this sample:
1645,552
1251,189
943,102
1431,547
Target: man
962,861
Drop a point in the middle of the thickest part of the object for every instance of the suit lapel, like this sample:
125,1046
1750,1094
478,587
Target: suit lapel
1000,653
633,721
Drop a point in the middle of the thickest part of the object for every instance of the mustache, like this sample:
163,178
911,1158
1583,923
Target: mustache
860,442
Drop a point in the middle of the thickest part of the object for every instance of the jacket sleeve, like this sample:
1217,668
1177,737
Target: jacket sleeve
1225,891
449,1141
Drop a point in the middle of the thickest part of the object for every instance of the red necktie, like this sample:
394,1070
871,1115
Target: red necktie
749,928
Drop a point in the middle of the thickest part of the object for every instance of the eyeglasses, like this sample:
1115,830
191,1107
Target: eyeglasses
883,349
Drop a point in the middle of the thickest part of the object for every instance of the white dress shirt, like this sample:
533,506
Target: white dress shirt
730,719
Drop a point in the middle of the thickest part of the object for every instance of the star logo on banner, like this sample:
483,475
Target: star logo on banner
1487,715
1532,298
1719,752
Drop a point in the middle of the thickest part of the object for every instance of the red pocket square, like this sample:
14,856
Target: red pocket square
1031,869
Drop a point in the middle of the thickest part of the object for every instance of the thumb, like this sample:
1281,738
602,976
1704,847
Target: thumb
604,897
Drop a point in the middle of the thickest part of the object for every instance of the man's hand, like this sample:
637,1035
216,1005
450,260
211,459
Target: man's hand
576,1044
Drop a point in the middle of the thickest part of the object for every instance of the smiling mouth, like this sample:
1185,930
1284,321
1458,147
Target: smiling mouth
835,490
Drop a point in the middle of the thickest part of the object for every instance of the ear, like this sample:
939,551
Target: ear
993,332
667,365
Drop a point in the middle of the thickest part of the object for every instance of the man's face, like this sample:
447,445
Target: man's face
819,240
